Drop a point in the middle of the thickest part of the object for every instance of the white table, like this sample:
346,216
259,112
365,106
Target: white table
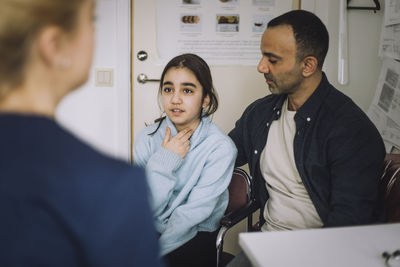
360,246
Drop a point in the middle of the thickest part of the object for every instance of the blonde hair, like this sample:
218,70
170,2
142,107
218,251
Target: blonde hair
20,22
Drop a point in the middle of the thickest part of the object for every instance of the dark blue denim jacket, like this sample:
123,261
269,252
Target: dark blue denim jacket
338,151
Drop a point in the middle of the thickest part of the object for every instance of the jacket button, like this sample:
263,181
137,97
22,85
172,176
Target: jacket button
255,152
308,119
267,124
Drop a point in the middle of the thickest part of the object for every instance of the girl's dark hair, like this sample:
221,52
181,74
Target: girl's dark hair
201,70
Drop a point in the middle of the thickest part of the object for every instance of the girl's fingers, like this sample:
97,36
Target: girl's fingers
184,134
188,134
166,136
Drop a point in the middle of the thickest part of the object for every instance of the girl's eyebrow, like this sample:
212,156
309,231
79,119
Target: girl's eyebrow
167,83
183,84
189,84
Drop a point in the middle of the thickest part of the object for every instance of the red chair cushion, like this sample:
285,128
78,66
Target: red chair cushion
237,192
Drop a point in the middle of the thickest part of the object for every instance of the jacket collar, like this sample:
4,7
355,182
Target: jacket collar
309,109
311,106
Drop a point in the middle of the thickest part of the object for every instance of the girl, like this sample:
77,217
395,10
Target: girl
189,162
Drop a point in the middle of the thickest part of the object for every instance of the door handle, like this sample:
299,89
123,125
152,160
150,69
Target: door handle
142,78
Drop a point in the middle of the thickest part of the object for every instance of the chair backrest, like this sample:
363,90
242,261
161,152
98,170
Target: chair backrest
239,190
390,187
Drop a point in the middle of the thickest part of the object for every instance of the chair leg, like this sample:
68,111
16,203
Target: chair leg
250,223
220,244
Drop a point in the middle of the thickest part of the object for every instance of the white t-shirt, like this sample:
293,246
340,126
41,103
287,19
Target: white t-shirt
289,206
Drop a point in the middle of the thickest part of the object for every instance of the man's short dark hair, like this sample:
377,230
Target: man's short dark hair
310,33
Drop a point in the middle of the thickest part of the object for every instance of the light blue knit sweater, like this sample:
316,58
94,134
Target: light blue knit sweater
190,194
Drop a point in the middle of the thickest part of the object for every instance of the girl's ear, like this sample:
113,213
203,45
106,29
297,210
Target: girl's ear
206,101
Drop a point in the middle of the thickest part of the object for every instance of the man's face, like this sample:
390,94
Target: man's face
282,72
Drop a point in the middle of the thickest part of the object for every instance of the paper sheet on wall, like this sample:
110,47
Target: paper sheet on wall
223,32
390,41
390,34
392,12
385,108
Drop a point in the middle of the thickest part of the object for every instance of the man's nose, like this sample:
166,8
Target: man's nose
263,66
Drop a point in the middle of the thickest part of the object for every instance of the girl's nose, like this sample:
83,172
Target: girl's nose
176,98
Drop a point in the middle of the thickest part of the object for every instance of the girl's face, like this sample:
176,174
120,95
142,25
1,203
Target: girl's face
182,98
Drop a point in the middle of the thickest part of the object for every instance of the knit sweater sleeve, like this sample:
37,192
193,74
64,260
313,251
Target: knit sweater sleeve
160,166
206,202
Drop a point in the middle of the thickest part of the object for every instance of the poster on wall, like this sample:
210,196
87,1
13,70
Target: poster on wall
385,107
223,32
384,111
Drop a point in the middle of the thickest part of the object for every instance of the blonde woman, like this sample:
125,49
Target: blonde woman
61,202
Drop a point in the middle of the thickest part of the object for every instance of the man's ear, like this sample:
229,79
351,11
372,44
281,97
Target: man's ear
49,44
310,65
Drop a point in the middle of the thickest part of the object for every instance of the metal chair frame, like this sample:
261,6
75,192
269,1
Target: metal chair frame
237,214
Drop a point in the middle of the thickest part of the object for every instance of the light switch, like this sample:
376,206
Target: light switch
104,77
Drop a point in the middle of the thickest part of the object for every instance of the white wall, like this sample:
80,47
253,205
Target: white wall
101,115
364,27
